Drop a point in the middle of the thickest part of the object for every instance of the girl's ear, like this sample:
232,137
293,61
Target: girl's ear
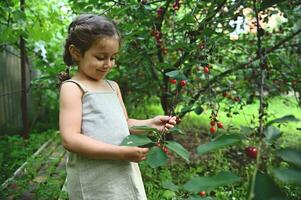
74,52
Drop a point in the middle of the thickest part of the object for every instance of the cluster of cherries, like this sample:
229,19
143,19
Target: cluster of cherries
213,125
182,83
229,96
176,5
164,148
158,36
160,11
206,69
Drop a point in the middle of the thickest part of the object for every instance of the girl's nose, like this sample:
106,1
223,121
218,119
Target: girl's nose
108,63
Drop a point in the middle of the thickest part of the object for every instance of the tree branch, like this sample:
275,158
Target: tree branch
241,66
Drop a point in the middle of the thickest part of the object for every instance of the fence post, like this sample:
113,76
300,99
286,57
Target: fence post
24,106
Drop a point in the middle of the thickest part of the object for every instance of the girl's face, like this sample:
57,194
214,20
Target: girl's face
99,59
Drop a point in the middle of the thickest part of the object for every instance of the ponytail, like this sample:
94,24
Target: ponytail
63,76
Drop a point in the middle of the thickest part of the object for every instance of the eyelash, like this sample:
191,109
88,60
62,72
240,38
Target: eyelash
104,58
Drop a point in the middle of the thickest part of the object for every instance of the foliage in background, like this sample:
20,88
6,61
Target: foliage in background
216,47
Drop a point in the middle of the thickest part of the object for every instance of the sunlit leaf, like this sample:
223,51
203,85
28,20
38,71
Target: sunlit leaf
178,149
271,134
290,155
170,185
206,183
220,142
135,140
265,188
291,176
268,3
286,118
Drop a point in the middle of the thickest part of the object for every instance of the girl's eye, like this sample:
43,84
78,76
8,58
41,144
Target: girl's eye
103,58
100,58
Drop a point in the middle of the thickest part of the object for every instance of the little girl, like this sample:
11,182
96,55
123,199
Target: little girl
93,118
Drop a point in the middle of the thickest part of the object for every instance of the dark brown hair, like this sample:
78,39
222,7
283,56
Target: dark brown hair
83,31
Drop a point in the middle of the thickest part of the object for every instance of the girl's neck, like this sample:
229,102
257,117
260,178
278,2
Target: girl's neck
81,77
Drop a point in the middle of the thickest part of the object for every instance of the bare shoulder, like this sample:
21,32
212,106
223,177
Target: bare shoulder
70,90
115,84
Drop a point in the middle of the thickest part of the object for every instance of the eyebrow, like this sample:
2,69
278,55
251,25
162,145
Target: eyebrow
104,53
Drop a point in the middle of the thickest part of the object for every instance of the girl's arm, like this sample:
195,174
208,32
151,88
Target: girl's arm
158,122
74,141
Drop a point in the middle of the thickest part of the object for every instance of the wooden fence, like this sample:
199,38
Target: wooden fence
10,91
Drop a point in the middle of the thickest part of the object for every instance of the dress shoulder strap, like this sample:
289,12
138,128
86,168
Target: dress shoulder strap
110,84
80,85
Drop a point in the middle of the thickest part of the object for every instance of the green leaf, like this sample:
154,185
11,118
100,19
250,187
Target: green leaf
271,134
204,183
173,74
135,140
244,130
268,3
286,118
290,176
198,110
170,185
265,188
178,149
290,155
186,109
143,128
176,74
220,142
188,19
197,197
167,194
176,130
156,157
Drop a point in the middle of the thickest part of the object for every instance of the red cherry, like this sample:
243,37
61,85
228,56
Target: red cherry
164,50
201,46
212,130
160,11
206,70
182,83
237,99
251,152
178,120
220,125
212,123
294,83
202,194
158,35
158,144
173,81
176,6
225,94
165,149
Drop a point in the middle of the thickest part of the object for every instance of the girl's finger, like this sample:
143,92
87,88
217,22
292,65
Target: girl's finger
169,126
165,118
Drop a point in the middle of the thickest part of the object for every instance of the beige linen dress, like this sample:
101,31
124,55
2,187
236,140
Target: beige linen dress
95,179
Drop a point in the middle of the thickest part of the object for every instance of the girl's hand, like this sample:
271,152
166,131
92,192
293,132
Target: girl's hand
133,154
163,123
